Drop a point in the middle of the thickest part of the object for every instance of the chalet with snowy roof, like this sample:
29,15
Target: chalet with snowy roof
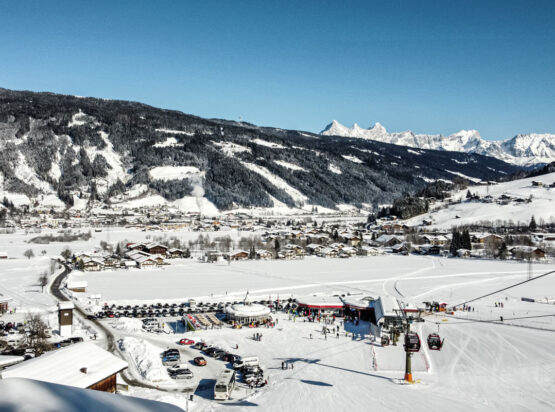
156,249
350,239
92,264
389,240
145,261
83,365
264,254
486,237
237,255
175,253
437,240
314,248
327,252
3,255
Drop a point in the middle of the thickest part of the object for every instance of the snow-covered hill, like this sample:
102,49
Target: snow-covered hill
515,201
523,149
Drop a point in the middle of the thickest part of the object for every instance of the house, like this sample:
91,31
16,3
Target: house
83,365
527,252
369,251
388,240
4,305
438,240
263,254
145,261
175,253
159,260
92,264
156,249
401,248
486,238
536,183
314,248
111,261
238,255
351,240
327,252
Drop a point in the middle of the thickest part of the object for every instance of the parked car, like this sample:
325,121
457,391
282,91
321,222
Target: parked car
186,341
199,361
182,374
171,360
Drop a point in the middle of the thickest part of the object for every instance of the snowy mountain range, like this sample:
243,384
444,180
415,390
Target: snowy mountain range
523,149
66,151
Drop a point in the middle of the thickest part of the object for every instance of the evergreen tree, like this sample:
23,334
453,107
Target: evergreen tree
503,251
532,224
468,194
465,240
455,243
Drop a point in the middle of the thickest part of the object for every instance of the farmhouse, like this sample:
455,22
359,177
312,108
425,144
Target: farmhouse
83,365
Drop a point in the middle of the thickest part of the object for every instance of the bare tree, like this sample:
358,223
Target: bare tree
37,334
43,280
29,253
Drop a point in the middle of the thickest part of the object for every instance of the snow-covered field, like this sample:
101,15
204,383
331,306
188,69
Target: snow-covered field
485,364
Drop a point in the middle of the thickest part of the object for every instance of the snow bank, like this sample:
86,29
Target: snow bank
147,359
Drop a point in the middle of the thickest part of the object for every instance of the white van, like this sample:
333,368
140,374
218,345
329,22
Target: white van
246,361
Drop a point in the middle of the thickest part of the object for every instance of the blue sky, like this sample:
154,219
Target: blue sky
428,66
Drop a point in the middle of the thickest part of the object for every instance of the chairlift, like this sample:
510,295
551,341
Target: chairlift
434,341
412,342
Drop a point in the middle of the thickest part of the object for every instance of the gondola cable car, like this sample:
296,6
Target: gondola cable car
412,342
434,341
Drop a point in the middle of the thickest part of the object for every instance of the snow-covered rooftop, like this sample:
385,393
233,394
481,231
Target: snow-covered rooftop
46,396
64,366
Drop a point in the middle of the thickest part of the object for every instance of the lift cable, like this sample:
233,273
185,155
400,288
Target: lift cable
462,320
501,290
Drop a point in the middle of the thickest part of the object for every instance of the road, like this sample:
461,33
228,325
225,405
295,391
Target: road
55,291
